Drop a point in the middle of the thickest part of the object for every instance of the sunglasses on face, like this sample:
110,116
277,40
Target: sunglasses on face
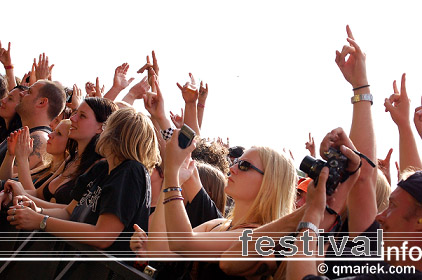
245,165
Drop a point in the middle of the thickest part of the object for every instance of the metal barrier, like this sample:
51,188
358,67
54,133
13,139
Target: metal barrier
15,245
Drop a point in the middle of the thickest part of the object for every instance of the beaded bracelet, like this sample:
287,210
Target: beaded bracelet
173,198
172,189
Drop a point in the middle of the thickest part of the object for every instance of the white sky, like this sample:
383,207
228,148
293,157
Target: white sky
269,64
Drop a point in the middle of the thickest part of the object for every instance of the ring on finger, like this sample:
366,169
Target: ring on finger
14,211
13,218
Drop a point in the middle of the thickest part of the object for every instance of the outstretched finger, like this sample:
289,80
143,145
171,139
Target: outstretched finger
403,92
180,87
354,44
396,91
387,158
192,79
349,32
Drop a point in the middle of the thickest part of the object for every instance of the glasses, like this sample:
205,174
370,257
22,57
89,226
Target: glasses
245,165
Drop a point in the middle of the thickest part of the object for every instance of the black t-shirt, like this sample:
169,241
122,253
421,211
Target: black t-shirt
360,265
125,192
202,209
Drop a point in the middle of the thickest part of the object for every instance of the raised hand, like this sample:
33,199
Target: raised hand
190,91
120,82
384,165
310,146
354,68
76,98
399,104
11,142
98,91
154,103
42,68
25,77
140,89
176,119
153,69
417,119
24,145
203,94
90,89
5,57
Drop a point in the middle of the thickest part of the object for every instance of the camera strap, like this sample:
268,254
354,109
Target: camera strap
360,164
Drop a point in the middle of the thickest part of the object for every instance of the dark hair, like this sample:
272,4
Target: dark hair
14,124
3,87
56,96
214,154
102,108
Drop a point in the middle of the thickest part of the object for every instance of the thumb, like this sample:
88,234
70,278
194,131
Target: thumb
387,158
388,106
322,179
137,228
130,80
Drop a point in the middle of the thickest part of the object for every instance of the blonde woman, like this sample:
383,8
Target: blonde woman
112,196
262,184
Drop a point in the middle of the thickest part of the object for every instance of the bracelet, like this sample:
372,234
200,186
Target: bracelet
172,189
200,105
179,197
308,225
42,210
167,133
8,67
365,86
362,97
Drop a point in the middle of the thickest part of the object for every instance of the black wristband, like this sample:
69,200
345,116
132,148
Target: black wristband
365,86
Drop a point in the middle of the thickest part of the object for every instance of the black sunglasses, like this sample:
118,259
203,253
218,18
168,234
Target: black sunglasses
245,165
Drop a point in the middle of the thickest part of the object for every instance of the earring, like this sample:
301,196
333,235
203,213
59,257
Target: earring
420,221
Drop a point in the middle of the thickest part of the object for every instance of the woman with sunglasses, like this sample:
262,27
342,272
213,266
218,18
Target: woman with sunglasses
262,184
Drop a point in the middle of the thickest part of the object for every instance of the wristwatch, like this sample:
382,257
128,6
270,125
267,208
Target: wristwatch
43,223
307,225
362,97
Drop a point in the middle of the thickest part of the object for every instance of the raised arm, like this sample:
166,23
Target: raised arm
24,147
6,168
138,91
202,98
42,69
6,60
399,105
362,200
154,103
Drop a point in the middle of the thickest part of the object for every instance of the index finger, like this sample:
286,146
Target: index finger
389,154
136,228
403,92
349,32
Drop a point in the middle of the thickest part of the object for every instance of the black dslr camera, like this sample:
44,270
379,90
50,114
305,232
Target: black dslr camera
337,164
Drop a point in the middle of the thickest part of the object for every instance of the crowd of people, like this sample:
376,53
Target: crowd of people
94,170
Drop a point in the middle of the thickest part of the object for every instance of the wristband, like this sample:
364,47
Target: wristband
201,105
173,198
308,225
167,133
172,189
8,67
362,97
365,86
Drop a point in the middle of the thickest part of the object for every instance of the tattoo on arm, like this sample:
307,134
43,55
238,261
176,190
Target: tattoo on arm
36,146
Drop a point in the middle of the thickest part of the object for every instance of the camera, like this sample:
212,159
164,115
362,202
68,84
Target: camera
69,94
336,163
186,136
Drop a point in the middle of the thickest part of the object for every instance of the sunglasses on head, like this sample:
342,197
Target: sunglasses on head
245,165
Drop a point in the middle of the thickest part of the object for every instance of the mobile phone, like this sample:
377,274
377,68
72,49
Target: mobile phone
186,136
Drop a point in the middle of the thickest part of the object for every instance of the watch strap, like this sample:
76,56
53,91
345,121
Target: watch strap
362,97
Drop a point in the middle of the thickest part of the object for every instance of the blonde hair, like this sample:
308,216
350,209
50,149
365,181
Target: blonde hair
277,194
130,135
213,181
383,191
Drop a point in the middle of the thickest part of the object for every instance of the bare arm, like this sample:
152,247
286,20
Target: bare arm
361,199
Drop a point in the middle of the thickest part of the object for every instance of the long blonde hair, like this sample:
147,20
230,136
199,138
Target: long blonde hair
277,194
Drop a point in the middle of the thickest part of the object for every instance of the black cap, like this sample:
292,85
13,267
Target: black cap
413,185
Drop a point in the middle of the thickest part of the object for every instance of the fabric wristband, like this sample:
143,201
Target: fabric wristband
8,67
167,133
